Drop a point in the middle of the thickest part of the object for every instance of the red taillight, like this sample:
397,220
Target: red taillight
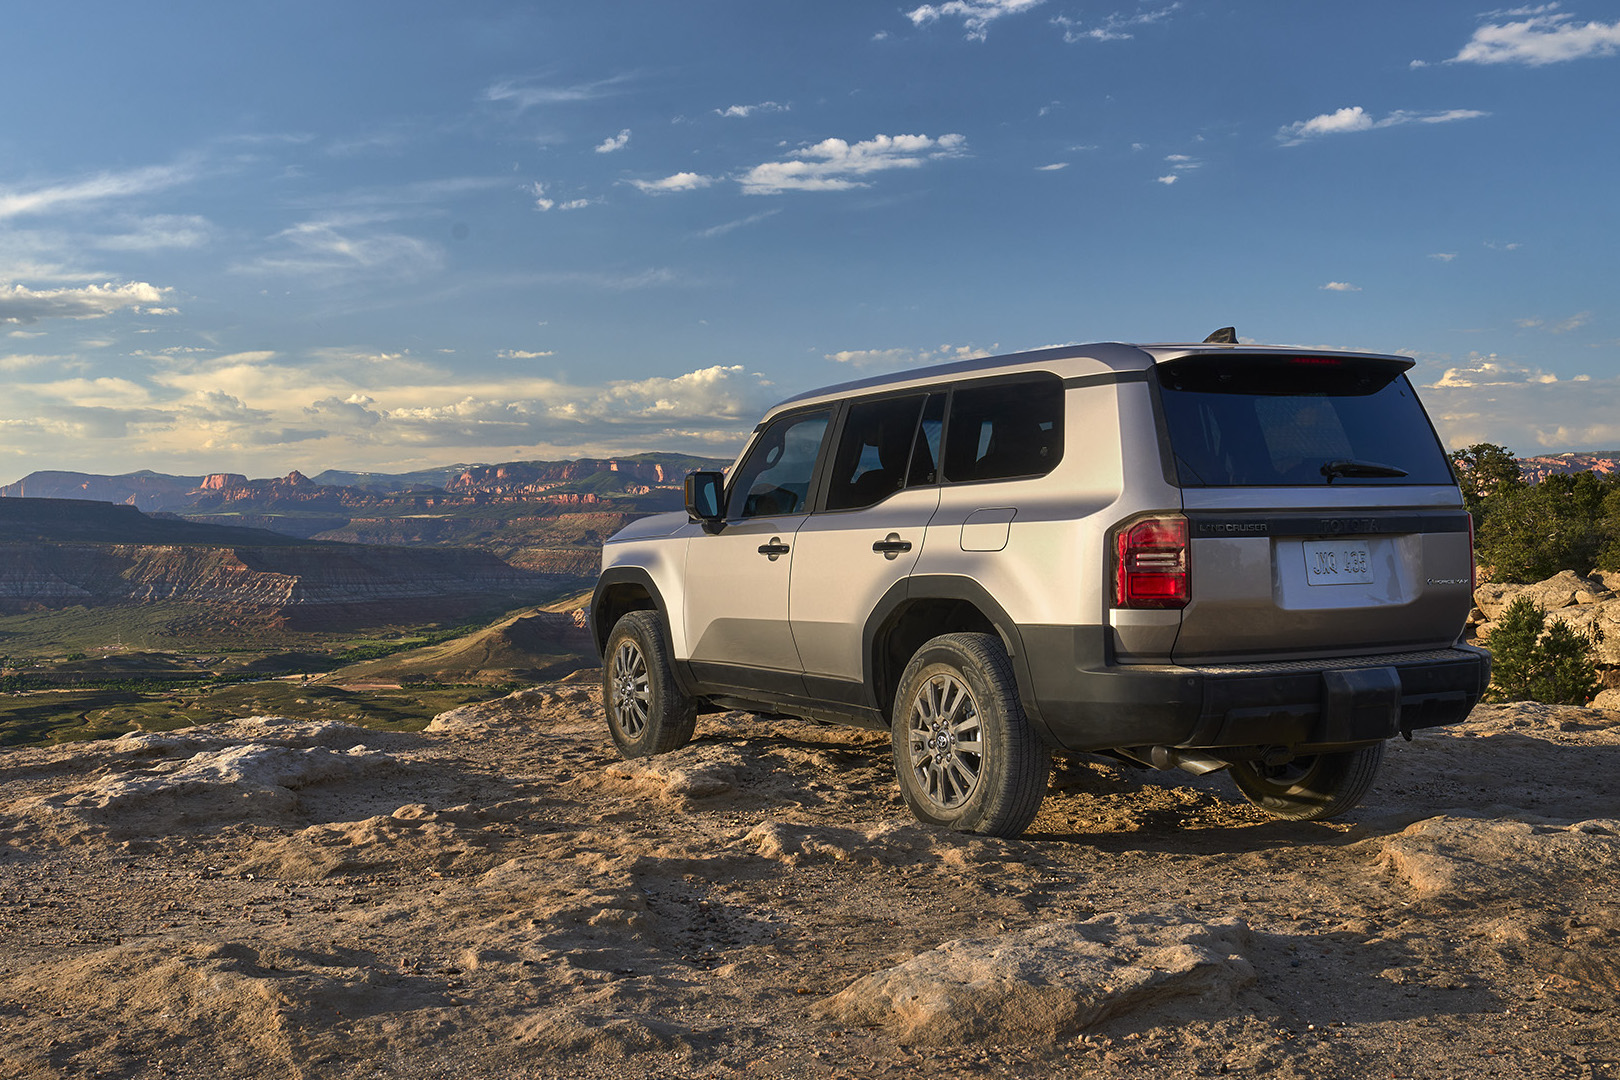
1150,564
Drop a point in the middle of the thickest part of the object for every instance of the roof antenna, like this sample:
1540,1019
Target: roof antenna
1226,335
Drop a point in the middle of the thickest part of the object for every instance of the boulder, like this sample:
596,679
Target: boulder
1050,981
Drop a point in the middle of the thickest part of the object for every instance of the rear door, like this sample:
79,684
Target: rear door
882,490
1322,515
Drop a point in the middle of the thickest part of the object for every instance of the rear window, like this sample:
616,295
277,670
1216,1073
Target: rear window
1298,421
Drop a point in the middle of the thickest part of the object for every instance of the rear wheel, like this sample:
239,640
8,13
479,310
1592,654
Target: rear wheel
1310,788
646,711
965,754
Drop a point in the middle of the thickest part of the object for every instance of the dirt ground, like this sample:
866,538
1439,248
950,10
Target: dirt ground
501,896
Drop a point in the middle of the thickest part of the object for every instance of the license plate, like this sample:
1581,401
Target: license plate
1337,562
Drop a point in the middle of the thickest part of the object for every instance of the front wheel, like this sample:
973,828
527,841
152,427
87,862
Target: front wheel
965,754
646,711
1310,788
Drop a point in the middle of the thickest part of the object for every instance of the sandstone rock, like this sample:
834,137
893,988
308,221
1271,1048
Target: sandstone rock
528,706
1607,699
1050,981
888,844
693,772
1471,860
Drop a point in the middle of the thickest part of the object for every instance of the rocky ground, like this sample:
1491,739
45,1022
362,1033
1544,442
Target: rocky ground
501,896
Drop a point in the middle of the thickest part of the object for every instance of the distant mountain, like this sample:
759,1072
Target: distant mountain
145,490
87,521
1538,468
58,554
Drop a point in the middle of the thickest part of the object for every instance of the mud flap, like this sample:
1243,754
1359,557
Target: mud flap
1359,705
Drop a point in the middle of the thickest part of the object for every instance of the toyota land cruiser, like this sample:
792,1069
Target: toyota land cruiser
1211,556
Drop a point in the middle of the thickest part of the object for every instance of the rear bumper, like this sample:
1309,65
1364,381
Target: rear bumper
1304,704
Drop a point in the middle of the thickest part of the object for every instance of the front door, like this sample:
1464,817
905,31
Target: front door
737,579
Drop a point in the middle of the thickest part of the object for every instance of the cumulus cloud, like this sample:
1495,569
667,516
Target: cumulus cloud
1341,286
20,304
270,412
976,15
901,358
742,112
541,202
1355,118
615,142
836,165
1544,37
681,181
1489,398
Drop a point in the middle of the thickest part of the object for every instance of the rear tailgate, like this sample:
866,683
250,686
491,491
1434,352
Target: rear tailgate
1324,582
1322,516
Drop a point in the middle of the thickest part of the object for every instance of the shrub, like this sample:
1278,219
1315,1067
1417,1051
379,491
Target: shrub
1534,661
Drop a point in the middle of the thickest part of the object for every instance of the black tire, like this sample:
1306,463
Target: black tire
646,711
1310,788
965,754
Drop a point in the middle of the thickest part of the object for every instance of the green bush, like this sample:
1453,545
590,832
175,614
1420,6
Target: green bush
1534,661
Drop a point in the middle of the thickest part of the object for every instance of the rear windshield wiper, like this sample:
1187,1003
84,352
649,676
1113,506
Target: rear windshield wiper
1352,468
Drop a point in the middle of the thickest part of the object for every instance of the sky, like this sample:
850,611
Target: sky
389,236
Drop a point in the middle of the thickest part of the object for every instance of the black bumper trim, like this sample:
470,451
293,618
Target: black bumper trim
1086,703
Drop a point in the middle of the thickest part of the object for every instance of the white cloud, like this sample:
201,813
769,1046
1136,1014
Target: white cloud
1560,326
725,227
898,358
1116,27
1491,370
1341,286
340,246
616,142
976,15
835,165
1545,37
15,202
1054,167
1444,256
520,354
681,181
20,304
541,201
1172,178
527,95
742,112
1355,118
159,232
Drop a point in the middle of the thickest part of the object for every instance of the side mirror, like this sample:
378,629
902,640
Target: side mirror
705,497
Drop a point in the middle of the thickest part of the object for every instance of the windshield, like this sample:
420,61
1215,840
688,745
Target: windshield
1297,421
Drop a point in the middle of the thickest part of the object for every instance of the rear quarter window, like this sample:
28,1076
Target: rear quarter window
1305,421
1004,429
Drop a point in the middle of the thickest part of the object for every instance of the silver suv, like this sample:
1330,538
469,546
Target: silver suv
1210,556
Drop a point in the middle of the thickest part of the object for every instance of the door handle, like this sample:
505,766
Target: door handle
891,546
774,549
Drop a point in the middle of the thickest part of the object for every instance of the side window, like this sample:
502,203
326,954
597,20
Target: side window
775,477
1005,429
873,452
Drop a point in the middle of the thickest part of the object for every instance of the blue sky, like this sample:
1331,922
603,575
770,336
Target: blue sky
395,235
